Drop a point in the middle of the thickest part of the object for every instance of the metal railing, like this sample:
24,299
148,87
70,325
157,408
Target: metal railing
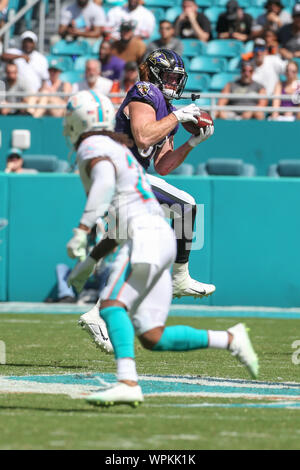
213,107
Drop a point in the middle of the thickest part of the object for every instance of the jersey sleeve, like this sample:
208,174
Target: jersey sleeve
145,92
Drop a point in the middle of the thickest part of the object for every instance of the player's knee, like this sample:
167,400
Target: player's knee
149,339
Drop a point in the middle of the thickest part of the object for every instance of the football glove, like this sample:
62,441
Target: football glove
77,246
204,134
187,113
80,273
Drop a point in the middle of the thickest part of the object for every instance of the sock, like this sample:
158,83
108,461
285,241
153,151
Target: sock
126,370
218,339
120,331
183,228
182,338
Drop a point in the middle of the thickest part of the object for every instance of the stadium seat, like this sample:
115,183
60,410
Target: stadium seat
233,65
72,77
254,11
95,48
219,80
208,64
79,64
191,47
65,61
158,12
203,3
46,163
197,82
223,48
213,13
160,3
225,167
285,168
186,61
172,13
73,48
248,47
185,169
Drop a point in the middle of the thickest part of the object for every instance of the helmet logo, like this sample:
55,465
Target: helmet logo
158,57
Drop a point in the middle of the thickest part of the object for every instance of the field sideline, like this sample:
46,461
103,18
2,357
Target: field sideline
196,400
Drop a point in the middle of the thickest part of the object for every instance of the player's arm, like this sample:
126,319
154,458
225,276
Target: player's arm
147,130
102,173
169,159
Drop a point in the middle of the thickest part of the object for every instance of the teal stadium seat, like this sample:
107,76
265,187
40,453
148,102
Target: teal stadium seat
185,169
72,48
233,65
73,76
213,13
79,64
158,12
186,61
254,11
208,64
160,3
248,47
201,102
191,47
95,48
46,163
197,82
65,61
203,3
223,48
225,167
172,13
285,168
219,80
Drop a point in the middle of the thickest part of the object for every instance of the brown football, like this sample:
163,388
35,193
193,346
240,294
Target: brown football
203,120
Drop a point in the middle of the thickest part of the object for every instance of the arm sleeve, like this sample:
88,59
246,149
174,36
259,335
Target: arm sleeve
101,192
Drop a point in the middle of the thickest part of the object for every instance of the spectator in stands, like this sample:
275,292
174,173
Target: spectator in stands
191,23
54,85
290,86
111,65
268,68
289,36
14,163
167,39
83,18
132,11
32,65
243,86
274,18
272,43
130,77
13,83
234,23
93,79
129,47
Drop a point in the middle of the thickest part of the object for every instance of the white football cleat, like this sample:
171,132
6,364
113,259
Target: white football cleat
118,394
242,348
184,285
93,324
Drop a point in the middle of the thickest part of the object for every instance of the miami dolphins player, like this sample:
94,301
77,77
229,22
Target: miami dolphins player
137,297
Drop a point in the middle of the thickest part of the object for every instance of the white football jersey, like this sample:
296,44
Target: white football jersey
132,195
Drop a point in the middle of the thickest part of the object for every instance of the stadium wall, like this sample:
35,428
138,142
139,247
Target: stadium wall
251,236
256,142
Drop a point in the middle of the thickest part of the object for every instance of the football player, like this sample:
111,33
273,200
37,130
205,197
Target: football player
138,294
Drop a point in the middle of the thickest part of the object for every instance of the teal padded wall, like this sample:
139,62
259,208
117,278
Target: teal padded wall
256,142
251,232
43,209
4,228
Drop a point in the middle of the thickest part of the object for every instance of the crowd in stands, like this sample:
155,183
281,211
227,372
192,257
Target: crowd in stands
120,37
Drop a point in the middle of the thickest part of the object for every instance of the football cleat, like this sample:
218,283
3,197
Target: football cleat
95,326
242,348
184,285
118,394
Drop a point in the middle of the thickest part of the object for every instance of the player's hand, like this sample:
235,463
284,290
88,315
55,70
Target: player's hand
80,274
204,134
76,247
187,113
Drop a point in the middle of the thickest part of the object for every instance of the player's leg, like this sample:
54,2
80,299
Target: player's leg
182,207
150,317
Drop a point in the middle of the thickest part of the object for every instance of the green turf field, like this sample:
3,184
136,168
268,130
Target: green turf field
52,345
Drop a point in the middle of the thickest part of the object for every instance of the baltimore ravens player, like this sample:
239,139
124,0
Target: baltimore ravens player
148,117
138,294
